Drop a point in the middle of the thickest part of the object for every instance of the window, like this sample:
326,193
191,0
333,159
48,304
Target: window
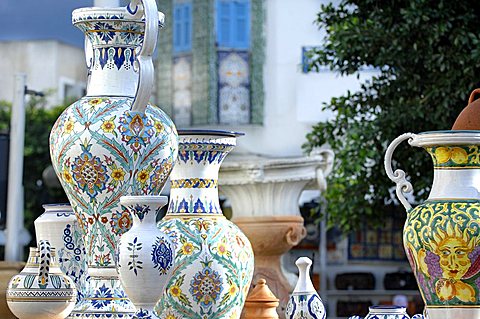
182,27
233,24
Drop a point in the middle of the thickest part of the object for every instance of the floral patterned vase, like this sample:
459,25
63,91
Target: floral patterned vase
442,235
214,259
145,255
305,303
111,143
59,226
41,290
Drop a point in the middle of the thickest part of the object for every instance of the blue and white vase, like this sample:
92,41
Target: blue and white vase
214,259
59,226
305,303
112,142
387,312
145,255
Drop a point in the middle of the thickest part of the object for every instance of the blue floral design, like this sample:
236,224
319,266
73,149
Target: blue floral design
136,130
105,31
183,207
162,255
206,286
102,297
198,207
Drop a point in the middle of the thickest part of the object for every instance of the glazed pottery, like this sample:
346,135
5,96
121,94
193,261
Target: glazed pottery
261,303
387,312
59,226
145,254
305,303
442,235
111,143
8,269
41,290
214,259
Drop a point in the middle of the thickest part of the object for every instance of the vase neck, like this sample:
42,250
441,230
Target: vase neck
456,172
144,214
112,42
194,178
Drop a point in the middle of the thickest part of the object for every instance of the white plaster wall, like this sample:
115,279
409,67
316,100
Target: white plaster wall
293,100
44,62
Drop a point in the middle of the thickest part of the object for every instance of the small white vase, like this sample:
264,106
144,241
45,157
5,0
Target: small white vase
41,290
59,226
145,255
305,303
387,312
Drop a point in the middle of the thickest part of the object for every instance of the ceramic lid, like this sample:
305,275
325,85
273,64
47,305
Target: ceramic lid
261,293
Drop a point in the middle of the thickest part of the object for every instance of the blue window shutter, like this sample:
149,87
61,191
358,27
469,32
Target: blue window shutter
187,26
177,28
241,22
224,23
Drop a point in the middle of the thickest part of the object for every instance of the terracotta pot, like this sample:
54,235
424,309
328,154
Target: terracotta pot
469,118
261,303
271,237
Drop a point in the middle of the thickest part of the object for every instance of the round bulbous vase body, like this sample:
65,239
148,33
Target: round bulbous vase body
145,255
41,290
442,234
101,150
214,259
59,226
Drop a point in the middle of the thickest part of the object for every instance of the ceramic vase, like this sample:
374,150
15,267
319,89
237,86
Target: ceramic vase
387,312
145,255
442,235
59,226
261,303
214,259
41,290
305,303
110,143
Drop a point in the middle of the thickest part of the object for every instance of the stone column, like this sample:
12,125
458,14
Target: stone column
264,194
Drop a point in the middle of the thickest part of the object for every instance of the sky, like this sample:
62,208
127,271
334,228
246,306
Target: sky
40,20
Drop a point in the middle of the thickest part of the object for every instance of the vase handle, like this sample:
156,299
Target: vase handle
472,95
144,63
403,186
45,259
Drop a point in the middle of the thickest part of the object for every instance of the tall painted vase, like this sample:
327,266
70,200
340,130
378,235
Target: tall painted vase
59,226
214,259
113,143
442,235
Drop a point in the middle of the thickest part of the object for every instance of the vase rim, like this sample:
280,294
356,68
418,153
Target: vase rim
108,14
387,309
144,199
210,132
446,137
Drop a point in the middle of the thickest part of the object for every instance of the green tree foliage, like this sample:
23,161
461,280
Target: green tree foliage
427,54
38,123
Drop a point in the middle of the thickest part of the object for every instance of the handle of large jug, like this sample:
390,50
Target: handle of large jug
398,176
472,95
144,62
45,259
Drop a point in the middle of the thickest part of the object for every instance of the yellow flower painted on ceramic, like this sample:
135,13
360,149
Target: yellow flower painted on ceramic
233,290
68,127
67,177
142,176
158,126
233,315
170,317
175,291
459,155
95,101
187,248
108,126
222,249
118,174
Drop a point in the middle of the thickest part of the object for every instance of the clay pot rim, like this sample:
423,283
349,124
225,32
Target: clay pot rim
182,132
268,219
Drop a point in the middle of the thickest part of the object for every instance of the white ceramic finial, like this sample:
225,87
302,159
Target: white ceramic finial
304,283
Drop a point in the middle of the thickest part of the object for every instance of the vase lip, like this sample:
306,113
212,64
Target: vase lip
108,14
57,206
209,132
387,309
144,199
445,137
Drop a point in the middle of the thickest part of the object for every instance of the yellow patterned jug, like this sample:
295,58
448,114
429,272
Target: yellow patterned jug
442,235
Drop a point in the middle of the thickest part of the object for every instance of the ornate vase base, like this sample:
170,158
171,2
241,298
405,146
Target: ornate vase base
105,298
453,312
